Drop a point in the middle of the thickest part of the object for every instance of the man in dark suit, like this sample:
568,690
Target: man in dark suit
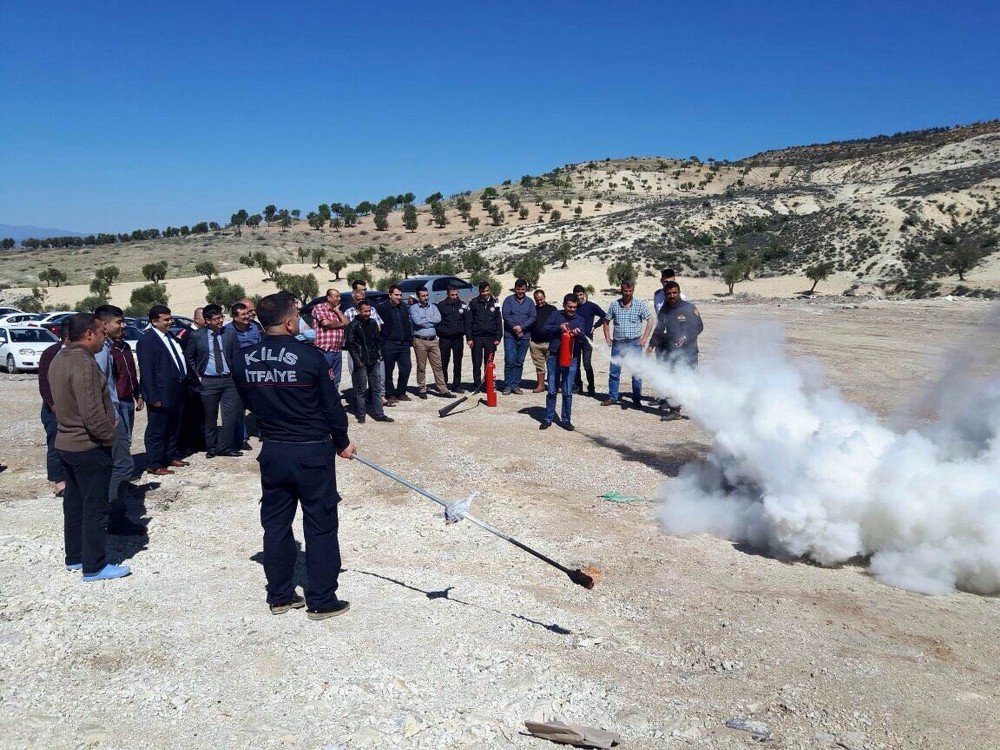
163,373
210,355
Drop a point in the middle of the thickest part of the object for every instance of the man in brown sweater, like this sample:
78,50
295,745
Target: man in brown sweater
84,439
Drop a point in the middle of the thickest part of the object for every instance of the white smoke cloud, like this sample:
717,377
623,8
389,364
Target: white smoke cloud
796,469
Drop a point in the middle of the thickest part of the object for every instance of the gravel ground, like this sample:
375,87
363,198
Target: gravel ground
455,637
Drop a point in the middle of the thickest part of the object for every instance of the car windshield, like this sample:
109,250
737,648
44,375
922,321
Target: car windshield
410,286
31,336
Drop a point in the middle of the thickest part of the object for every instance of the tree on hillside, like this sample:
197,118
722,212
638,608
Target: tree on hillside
303,253
528,268
269,267
7,243
410,221
336,222
963,259
221,291
296,213
578,211
555,215
382,218
522,213
318,255
474,262
303,287
438,213
444,266
733,274
33,302
364,256
109,273
155,272
238,219
564,253
513,201
315,220
336,265
91,302
248,260
206,268
254,221
496,216
363,274
473,223
286,222
433,198
409,266
349,216
100,288
52,276
144,297
269,211
621,271
819,272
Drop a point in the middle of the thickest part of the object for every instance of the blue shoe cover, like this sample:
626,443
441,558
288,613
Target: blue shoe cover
107,572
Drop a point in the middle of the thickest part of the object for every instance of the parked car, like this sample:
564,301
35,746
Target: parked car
132,334
50,321
180,323
10,319
21,348
437,287
9,310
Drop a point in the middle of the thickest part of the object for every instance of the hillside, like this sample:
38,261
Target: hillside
889,211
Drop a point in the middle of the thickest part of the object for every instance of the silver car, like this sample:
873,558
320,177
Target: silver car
437,287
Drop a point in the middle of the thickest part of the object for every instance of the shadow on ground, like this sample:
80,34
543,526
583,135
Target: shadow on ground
668,460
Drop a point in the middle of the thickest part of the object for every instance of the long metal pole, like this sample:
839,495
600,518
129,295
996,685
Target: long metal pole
577,576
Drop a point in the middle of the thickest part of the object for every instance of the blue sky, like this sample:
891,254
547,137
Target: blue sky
131,113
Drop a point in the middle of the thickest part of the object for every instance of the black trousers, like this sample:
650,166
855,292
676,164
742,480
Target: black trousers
191,434
163,426
583,357
452,350
53,468
86,506
215,393
396,354
481,345
293,473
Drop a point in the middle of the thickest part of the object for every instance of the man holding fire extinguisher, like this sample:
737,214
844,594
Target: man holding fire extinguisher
564,331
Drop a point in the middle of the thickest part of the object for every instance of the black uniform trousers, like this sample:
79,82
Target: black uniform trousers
86,506
53,469
216,392
163,426
481,345
583,362
452,350
396,354
291,473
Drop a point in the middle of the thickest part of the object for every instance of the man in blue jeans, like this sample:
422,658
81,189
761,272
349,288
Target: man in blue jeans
633,326
518,312
561,376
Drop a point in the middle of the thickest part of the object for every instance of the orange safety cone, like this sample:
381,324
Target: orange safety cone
491,391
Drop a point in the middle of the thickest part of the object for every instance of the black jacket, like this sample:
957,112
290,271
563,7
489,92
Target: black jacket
541,315
160,375
397,328
483,318
362,342
452,317
199,344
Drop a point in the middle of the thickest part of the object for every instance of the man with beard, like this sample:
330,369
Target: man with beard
675,338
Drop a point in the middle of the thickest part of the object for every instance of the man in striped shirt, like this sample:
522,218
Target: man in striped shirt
633,325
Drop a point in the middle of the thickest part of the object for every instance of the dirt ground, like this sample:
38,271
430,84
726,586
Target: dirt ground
455,637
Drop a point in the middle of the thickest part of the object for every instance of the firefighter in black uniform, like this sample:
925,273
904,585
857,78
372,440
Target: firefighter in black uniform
483,329
288,385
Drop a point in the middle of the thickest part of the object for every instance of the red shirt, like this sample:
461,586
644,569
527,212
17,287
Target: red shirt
126,379
327,339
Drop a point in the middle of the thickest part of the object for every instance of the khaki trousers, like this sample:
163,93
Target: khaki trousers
538,354
429,350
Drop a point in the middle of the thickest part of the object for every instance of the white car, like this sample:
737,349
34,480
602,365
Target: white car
9,310
21,348
19,317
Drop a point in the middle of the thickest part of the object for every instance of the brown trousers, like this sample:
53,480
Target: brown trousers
538,354
429,350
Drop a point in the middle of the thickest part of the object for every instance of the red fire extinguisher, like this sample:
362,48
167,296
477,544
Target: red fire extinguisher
565,349
491,391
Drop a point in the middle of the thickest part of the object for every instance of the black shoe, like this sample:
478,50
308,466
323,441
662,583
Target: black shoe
591,392
567,425
422,394
671,415
637,403
578,390
322,614
229,454
457,388
382,418
210,454
127,527
246,446
361,419
297,602
545,425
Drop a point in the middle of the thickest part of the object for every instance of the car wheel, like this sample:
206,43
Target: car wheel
11,364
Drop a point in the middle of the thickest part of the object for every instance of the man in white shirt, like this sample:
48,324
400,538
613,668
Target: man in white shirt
163,378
